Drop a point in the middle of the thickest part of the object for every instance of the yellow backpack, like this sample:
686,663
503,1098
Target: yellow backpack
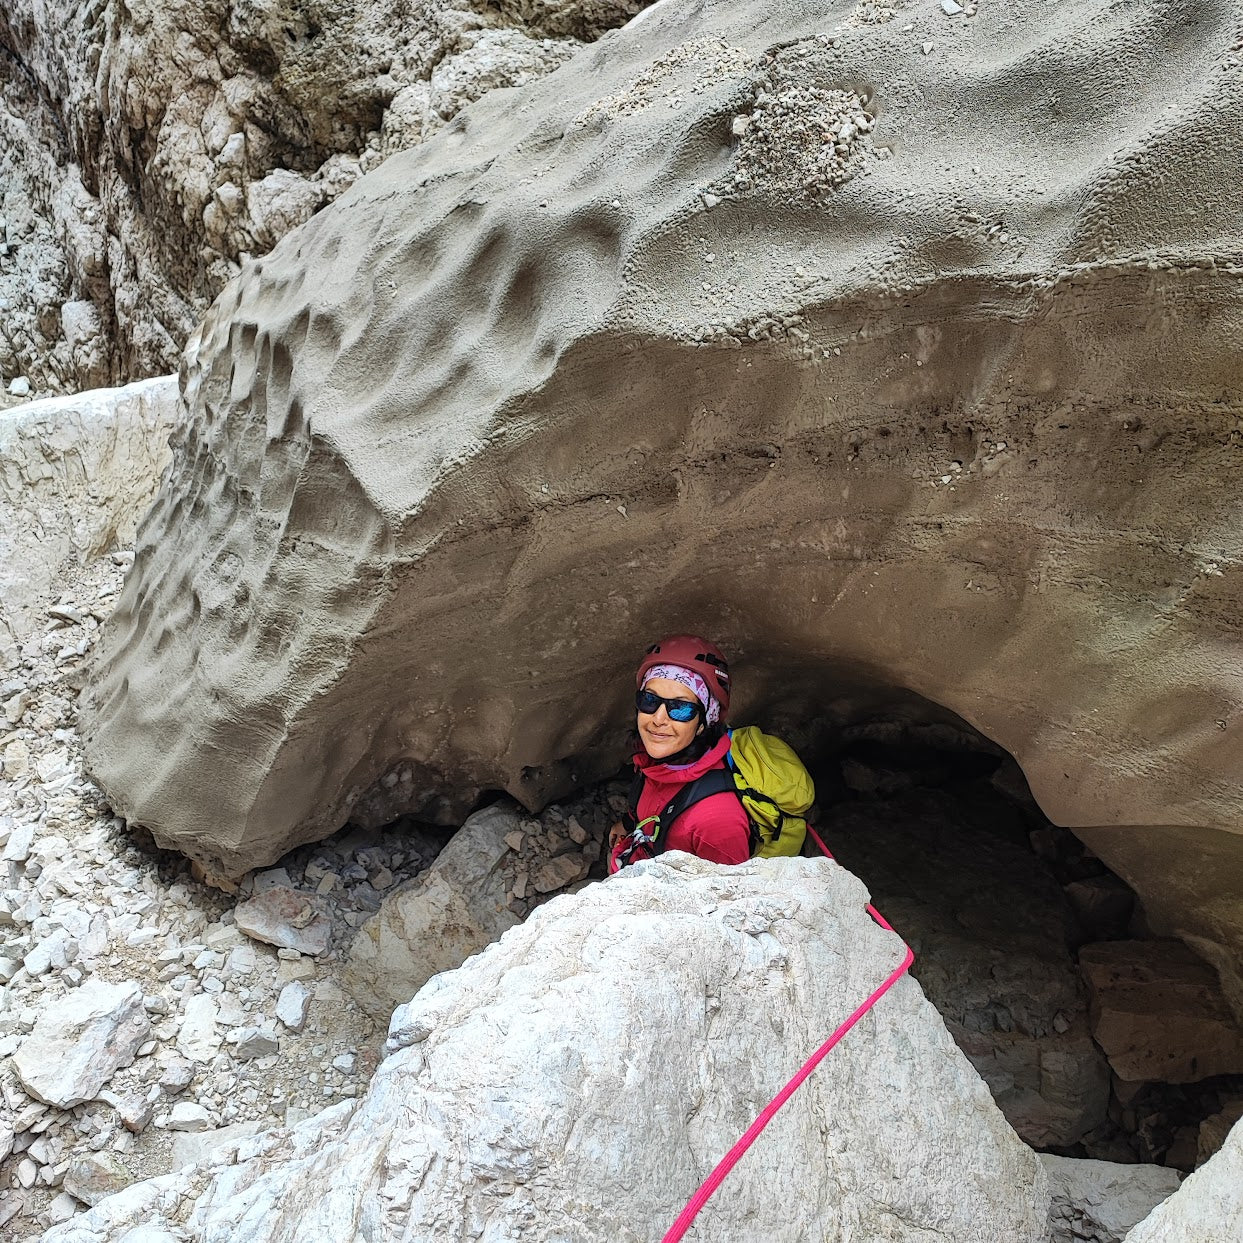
765,774
774,787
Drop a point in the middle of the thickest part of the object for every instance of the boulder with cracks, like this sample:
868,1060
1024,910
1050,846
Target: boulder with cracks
752,321
578,1079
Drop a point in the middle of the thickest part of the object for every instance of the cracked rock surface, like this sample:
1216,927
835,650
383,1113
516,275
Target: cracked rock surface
639,1015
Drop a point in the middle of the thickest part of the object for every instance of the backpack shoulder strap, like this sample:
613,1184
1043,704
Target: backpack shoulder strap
631,815
714,781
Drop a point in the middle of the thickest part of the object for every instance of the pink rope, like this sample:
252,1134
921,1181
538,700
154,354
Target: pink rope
734,1155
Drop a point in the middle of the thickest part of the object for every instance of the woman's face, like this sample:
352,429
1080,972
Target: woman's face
661,736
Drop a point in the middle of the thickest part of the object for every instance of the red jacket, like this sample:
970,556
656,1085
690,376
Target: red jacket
715,828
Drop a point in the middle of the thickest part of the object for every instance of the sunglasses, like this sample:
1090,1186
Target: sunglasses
681,710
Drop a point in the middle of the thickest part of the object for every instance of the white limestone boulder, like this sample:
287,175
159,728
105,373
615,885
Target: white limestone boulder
1099,1201
1207,1208
578,1080
81,1041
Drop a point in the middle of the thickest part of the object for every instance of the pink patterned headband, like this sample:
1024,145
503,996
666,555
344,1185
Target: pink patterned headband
693,682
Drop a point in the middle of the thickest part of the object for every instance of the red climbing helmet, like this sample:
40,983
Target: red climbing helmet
689,651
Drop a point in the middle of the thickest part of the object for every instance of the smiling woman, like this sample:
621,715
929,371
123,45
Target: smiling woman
681,698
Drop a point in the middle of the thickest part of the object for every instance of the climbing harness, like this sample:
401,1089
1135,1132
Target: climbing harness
701,1197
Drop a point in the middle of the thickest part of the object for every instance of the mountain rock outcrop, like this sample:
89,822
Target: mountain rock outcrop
578,1080
759,320
146,149
76,476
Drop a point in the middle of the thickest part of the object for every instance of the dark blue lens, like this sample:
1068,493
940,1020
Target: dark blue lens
683,710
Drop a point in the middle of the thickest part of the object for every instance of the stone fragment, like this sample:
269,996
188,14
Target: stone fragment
10,1205
514,841
93,1176
286,918
1214,1129
1100,1200
292,1005
135,1112
197,1037
61,1209
223,937
16,760
256,1042
241,961
1158,1012
176,1075
273,878
558,872
80,1041
17,848
189,1116
296,968
1207,1208
57,950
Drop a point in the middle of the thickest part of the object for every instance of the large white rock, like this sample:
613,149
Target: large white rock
81,1041
1100,1201
1207,1208
577,1081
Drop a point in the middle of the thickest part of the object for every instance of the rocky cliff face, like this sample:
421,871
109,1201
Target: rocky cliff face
146,149
76,476
580,1078
868,348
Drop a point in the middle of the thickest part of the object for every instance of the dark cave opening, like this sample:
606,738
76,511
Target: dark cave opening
1096,1037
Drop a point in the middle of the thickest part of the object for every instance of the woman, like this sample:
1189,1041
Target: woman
682,696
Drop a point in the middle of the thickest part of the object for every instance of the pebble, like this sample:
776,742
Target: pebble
292,1005
19,386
